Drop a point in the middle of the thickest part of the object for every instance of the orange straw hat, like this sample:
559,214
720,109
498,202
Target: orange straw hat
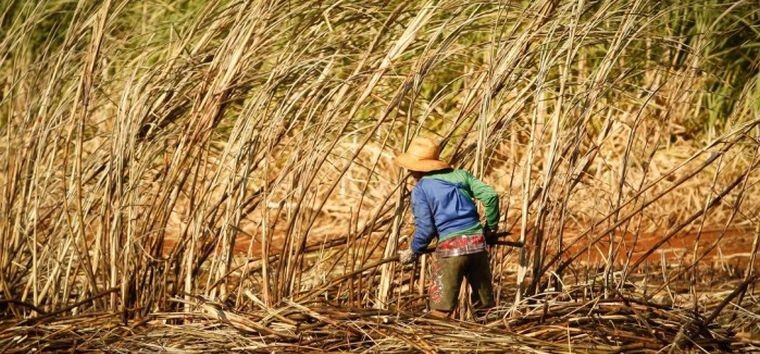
422,156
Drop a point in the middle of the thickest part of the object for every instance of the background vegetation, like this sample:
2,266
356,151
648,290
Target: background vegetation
159,155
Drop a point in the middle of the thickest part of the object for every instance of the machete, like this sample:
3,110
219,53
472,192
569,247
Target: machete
516,244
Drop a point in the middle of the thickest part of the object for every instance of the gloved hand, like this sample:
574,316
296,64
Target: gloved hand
406,256
490,235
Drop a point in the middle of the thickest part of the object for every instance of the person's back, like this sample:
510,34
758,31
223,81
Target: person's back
443,208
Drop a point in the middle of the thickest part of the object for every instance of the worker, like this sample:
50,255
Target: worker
443,208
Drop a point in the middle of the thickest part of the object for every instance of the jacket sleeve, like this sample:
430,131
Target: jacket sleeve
424,226
490,199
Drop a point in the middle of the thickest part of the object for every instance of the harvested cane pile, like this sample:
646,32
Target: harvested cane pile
549,323
203,176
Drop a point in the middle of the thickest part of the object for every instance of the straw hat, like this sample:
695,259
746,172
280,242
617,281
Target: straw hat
421,156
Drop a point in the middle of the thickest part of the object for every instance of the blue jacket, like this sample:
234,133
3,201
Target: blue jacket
443,206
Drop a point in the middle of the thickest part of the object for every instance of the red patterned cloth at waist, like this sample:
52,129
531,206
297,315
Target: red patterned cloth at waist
461,245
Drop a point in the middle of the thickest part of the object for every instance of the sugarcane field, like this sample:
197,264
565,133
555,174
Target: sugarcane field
397,176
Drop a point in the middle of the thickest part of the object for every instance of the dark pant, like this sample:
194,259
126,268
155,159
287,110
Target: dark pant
447,275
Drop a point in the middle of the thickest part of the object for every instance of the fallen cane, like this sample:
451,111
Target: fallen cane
395,258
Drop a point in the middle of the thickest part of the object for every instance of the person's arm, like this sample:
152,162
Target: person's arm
424,225
490,199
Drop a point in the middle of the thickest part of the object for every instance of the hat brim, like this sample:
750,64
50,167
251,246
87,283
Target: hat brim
413,163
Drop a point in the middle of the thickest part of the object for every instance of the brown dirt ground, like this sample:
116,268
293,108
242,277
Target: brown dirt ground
734,246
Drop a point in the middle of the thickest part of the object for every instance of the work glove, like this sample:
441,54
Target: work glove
490,235
406,256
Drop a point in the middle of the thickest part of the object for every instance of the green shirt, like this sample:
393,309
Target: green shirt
472,188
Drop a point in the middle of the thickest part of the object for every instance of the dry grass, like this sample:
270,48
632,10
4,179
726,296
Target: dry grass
200,174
